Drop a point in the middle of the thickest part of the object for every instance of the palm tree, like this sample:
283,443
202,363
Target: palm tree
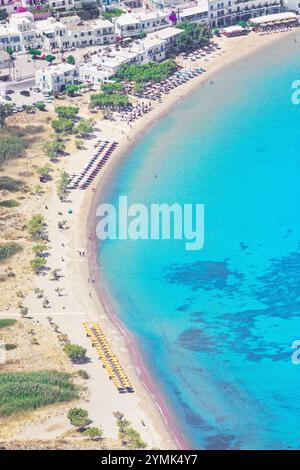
10,52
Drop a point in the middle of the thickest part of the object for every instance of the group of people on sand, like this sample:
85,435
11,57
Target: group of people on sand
136,112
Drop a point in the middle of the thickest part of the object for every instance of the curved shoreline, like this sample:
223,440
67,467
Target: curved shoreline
92,200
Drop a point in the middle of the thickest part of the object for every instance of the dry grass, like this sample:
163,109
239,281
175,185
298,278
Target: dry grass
37,349
13,220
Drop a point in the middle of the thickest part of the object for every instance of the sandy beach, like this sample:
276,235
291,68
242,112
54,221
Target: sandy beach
86,301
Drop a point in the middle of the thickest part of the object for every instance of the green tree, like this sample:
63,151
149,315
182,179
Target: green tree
72,90
50,58
39,249
76,353
10,51
40,105
44,171
70,59
85,127
5,111
63,125
112,87
78,417
67,112
54,148
194,35
107,100
34,52
143,73
37,264
62,184
79,144
36,227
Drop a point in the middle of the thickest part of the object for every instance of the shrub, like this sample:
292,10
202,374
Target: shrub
128,434
10,184
10,347
75,352
79,143
78,417
24,311
9,249
93,433
9,203
44,171
37,264
39,250
83,374
7,322
40,105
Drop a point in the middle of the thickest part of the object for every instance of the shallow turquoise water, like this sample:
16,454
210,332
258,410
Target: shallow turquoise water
215,326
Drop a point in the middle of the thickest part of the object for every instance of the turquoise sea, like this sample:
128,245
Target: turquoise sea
215,326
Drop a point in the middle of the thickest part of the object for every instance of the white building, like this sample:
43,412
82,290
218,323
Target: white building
198,14
54,78
24,24
227,12
54,33
127,26
61,5
73,33
106,64
19,33
10,39
292,5
154,47
169,35
131,25
10,6
162,4
93,74
152,21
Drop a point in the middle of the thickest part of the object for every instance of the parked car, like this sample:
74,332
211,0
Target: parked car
9,92
7,97
25,93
